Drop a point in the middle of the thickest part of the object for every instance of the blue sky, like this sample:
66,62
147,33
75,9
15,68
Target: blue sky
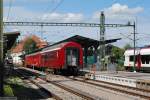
116,11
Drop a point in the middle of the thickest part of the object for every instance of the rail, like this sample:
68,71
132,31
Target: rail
25,75
115,89
107,87
76,92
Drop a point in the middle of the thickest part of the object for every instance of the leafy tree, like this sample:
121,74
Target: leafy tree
30,45
117,52
127,46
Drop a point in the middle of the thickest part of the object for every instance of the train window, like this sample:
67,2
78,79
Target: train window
148,84
50,55
131,58
72,56
44,57
145,59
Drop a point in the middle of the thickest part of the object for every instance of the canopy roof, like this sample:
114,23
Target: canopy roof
86,42
10,39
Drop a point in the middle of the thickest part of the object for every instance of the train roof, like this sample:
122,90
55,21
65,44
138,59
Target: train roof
57,46
145,51
34,53
142,51
50,48
131,52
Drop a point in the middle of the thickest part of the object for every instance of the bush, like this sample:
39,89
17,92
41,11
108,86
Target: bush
8,91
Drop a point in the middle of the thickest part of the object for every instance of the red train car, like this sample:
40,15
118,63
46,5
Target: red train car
33,60
66,56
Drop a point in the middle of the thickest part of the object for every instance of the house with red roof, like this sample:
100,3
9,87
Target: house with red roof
18,50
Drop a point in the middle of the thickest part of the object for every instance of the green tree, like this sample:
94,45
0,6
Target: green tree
127,46
118,54
30,45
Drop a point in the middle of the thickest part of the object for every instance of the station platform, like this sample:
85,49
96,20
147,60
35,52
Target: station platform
123,74
133,79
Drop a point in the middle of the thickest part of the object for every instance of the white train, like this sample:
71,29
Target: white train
142,59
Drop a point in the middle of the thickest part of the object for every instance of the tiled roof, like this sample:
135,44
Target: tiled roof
19,48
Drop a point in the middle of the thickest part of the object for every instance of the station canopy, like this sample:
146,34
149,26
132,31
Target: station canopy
87,42
10,38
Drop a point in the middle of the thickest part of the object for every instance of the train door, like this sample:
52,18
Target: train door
72,57
138,61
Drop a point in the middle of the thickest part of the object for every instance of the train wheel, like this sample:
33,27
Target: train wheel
69,71
64,72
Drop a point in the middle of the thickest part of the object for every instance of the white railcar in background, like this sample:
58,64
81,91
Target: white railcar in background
142,59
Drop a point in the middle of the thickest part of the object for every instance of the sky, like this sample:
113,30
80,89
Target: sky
116,12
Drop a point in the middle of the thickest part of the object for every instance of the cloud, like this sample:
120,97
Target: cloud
63,17
20,13
123,9
119,13
118,10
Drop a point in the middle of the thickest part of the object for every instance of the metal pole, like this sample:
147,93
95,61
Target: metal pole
134,47
102,39
1,49
41,31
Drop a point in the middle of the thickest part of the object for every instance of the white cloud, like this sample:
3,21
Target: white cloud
24,14
63,17
123,9
118,10
119,13
19,13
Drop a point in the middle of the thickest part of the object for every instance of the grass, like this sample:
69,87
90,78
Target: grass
8,91
14,86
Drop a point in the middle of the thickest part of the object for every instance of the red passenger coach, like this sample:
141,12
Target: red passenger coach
66,56
33,60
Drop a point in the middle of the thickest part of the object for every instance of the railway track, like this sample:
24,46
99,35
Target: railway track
75,91
136,92
119,88
78,95
27,75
